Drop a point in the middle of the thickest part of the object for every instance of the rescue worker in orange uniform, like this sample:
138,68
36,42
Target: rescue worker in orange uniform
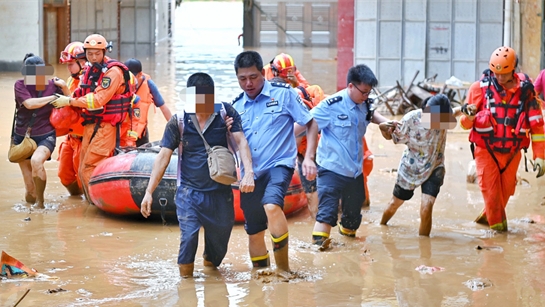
105,95
283,66
149,94
367,168
68,120
504,117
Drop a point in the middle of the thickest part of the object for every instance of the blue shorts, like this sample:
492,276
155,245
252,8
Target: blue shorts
333,187
270,188
431,186
48,140
214,211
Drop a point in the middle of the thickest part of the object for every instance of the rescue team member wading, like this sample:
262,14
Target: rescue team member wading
148,93
343,119
105,96
68,120
504,117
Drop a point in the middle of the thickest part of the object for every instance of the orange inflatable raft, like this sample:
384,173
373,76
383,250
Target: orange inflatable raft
118,185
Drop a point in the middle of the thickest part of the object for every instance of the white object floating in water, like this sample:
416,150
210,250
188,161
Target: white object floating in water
428,269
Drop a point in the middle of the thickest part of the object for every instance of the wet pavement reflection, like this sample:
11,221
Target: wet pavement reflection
103,260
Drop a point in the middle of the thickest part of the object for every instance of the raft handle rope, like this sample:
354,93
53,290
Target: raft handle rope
163,202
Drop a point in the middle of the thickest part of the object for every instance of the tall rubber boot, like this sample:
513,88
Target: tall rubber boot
321,239
74,189
186,270
281,249
40,189
261,261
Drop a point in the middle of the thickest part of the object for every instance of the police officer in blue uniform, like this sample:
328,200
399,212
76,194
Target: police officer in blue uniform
269,112
343,119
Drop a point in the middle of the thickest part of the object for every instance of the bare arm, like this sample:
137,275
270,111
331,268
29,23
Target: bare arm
309,167
38,102
378,118
299,130
159,166
247,183
166,112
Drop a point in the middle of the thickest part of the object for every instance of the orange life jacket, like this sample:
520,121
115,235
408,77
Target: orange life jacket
311,96
142,107
116,109
504,126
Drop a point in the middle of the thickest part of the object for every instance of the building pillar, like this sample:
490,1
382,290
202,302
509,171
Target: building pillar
345,40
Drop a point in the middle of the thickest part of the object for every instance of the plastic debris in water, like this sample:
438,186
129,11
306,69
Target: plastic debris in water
477,284
489,248
13,267
428,269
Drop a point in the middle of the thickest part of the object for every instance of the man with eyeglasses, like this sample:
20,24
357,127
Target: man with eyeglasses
343,118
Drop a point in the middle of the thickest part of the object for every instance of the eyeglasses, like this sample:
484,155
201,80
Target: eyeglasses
362,92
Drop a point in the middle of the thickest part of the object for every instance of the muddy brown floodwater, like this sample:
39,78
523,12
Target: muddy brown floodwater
103,260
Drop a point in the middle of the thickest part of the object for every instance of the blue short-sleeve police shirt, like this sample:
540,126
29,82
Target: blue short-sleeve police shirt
343,124
267,122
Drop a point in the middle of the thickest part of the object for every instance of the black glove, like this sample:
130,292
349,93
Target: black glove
527,92
471,111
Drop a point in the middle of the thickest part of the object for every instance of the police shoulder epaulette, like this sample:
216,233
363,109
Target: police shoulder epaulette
280,84
333,100
237,98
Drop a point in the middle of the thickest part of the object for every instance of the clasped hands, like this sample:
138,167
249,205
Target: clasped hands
61,101
469,110
387,128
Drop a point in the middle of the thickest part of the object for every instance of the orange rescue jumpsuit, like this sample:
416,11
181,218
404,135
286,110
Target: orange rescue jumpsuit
69,150
367,167
139,119
103,144
495,187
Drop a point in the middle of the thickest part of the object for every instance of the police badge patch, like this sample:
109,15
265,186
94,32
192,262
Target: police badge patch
105,82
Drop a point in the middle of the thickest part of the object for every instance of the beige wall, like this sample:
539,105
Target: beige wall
21,31
529,36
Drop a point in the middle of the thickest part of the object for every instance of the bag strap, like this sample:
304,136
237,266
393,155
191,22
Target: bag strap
198,127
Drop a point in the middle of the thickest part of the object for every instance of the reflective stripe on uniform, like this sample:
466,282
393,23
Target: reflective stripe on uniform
535,117
90,101
538,138
483,130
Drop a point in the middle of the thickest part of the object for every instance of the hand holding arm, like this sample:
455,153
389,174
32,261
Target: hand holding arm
247,184
308,165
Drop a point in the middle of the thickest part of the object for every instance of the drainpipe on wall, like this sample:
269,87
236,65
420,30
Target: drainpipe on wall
345,40
507,22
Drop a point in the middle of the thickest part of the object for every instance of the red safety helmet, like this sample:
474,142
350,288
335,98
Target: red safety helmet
72,52
61,119
503,60
282,63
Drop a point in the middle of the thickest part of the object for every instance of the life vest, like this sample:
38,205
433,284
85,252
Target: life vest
311,96
116,109
140,110
504,127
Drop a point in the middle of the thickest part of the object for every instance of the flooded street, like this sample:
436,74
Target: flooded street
104,260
